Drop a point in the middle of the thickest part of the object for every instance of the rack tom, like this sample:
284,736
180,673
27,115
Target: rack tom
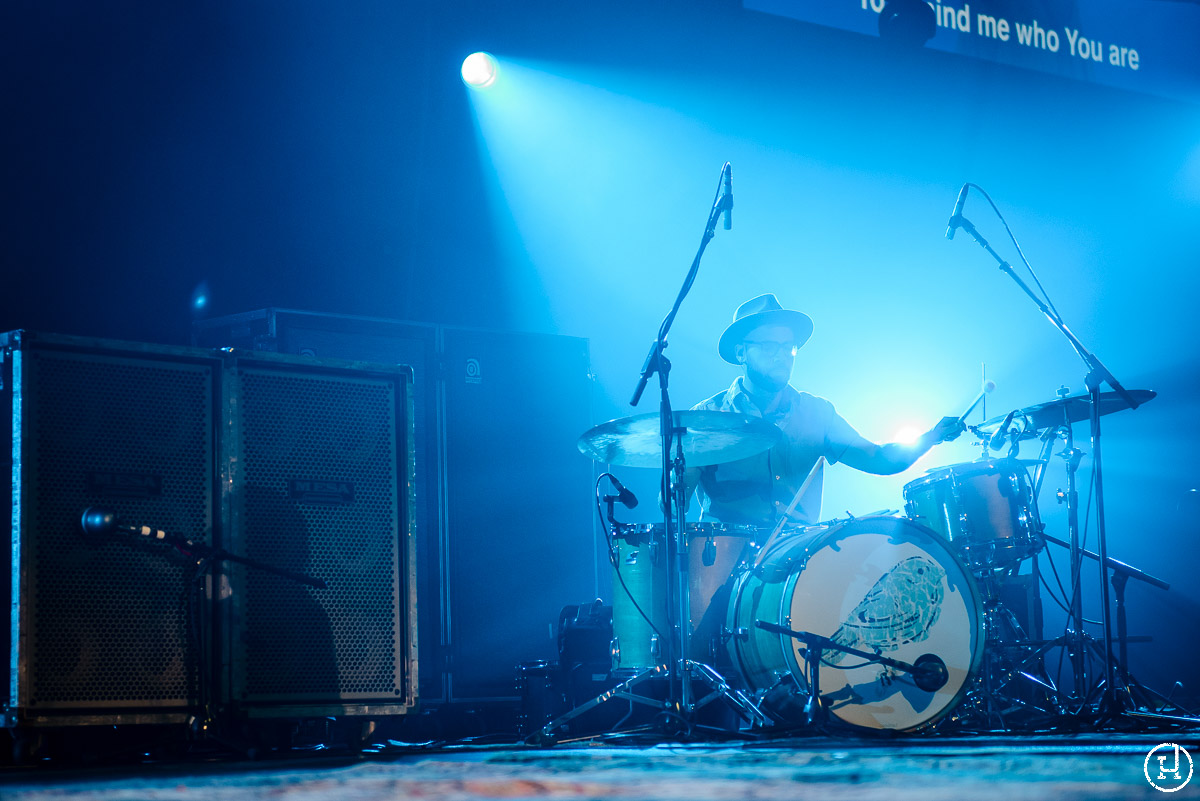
985,509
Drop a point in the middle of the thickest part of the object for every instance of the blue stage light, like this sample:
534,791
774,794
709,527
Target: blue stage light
200,296
479,70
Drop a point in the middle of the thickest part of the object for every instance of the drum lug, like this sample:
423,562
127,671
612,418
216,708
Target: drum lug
741,633
655,649
614,652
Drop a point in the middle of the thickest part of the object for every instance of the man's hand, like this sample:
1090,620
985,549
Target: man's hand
948,429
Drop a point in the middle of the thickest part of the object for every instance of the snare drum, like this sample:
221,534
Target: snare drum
882,585
715,551
986,509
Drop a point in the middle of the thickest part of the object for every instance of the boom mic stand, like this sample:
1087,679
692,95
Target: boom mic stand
99,524
680,671
1111,705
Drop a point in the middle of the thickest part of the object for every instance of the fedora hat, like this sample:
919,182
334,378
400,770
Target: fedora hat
762,310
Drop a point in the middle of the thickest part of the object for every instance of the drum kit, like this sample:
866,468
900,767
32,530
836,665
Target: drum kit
884,622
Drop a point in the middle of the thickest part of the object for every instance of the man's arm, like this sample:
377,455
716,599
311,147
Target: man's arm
894,457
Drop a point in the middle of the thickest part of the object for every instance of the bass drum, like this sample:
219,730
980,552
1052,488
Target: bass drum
883,585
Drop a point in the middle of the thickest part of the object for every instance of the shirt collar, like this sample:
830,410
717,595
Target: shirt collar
739,400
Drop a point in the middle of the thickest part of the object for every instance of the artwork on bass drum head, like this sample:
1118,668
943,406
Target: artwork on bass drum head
882,585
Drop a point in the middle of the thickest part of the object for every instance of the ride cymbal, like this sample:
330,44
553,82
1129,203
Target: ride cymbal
710,438
1065,411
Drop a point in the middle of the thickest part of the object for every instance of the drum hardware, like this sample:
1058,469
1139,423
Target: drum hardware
928,671
669,441
1012,663
1066,411
1121,574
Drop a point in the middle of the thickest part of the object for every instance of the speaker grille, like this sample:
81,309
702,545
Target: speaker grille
107,622
319,494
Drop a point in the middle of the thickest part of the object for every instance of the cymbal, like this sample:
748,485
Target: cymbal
711,438
1074,409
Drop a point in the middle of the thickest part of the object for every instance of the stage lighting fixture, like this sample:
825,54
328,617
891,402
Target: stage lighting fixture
479,70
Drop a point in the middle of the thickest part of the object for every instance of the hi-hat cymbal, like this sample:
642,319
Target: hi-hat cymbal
711,438
1063,411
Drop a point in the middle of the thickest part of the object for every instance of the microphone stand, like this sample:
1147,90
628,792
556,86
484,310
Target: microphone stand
203,556
1111,706
928,672
679,670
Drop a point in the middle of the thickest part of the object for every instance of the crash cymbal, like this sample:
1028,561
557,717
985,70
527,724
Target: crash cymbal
711,438
1068,410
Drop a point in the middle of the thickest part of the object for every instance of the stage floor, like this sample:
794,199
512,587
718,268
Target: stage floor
1091,767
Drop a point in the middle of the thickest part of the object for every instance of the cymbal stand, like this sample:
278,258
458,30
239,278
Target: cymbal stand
1130,687
681,672
1011,661
1111,705
1076,645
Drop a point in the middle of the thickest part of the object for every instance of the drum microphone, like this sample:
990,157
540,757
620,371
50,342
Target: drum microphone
956,217
624,496
1002,432
728,196
98,523
930,673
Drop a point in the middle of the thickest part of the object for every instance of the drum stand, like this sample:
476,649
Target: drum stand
1001,670
681,672
1111,705
929,671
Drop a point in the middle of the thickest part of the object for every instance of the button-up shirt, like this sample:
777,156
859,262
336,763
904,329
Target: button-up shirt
746,491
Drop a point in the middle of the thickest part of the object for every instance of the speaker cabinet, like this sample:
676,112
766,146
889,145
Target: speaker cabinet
504,510
518,500
380,341
301,464
99,629
321,480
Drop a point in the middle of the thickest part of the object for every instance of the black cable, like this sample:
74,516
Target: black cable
694,271
1062,604
613,559
1020,252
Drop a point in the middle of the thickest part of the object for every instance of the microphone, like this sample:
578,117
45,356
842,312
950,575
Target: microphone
956,216
624,496
728,199
930,673
98,523
1002,432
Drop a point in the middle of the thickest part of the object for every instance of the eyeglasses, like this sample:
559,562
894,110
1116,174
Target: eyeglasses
772,349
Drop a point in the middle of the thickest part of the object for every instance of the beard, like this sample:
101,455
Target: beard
773,380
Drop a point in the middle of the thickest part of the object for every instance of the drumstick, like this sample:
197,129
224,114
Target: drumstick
791,508
988,387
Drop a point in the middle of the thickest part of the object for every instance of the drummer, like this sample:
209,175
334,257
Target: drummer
763,339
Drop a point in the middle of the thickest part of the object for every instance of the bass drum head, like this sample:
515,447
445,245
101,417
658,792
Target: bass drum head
883,585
